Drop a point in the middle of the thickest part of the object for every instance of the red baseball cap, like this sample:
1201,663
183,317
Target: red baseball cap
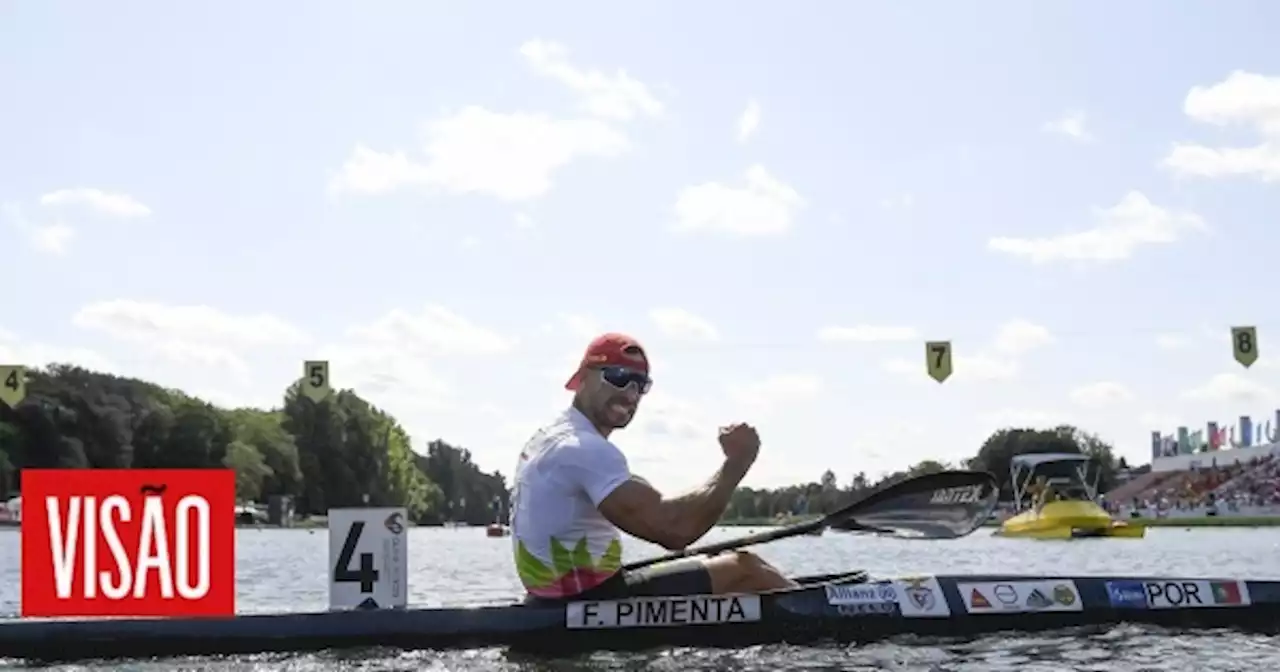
610,350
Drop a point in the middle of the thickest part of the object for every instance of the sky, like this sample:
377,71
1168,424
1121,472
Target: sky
447,201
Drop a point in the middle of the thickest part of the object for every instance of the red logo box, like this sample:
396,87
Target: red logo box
128,542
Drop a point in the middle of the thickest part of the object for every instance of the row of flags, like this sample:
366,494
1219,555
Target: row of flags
1213,437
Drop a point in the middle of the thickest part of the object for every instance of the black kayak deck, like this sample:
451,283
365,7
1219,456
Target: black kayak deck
847,607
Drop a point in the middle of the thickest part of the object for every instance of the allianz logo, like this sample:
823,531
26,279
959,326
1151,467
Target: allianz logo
883,592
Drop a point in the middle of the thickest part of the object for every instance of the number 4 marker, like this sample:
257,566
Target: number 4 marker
13,385
368,558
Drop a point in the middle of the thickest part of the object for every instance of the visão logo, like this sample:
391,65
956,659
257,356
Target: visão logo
128,542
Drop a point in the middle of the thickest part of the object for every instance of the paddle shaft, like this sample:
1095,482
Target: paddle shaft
731,544
845,517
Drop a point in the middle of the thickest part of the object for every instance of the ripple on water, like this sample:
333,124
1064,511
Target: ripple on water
285,570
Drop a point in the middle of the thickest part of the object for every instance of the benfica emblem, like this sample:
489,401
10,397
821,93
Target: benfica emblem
919,594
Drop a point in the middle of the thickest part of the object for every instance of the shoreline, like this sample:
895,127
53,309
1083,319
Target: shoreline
1207,521
1199,521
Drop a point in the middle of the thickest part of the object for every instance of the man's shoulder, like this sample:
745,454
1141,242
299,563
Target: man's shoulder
565,438
571,438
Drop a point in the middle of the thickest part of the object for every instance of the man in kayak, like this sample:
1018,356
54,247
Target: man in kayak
574,492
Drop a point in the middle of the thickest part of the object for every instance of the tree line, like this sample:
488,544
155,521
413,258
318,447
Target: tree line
344,452
339,452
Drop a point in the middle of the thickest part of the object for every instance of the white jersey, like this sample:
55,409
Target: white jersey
563,545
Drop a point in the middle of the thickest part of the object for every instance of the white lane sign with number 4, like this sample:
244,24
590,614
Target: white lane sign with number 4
368,558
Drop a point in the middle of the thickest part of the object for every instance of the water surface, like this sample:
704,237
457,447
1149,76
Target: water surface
285,570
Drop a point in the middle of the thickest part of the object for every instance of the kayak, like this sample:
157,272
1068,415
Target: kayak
849,608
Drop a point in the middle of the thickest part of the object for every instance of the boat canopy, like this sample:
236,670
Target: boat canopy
1033,460
1023,468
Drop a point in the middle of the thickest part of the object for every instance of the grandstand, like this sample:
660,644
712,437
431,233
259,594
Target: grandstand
1221,476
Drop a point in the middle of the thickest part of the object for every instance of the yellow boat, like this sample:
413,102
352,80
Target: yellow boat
1075,515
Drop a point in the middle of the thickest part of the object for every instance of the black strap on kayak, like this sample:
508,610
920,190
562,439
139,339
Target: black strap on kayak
944,505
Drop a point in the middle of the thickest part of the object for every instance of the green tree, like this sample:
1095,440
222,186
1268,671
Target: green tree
339,452
251,469
996,453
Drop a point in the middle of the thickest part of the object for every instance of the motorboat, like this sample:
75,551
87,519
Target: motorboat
1073,514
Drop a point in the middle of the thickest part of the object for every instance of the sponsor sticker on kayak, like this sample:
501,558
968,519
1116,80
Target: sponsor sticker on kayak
921,597
859,599
128,542
1193,594
651,612
1127,594
1020,596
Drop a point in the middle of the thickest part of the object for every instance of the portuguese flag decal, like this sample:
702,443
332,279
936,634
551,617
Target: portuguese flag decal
1226,592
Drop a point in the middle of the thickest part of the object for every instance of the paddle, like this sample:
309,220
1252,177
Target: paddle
945,505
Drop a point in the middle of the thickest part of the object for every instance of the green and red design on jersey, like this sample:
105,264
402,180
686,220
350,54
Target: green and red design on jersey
571,572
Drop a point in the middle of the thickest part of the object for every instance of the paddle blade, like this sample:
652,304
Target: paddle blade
945,505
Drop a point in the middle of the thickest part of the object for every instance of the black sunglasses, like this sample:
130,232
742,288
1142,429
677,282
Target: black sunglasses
620,377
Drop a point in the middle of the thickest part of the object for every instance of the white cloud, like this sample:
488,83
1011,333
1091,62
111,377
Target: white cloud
776,390
1234,388
680,323
435,330
148,321
670,430
1158,420
199,335
1101,394
749,121
390,375
903,201
399,361
52,238
1241,99
1072,125
867,333
525,222
371,172
976,367
512,157
1172,341
1023,418
765,206
1017,337
14,350
103,202
581,326
998,361
1121,229
613,96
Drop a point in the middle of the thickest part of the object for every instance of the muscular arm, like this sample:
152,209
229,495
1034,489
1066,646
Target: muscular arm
675,522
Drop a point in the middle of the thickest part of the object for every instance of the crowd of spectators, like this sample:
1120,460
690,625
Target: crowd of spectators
1259,486
1255,482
